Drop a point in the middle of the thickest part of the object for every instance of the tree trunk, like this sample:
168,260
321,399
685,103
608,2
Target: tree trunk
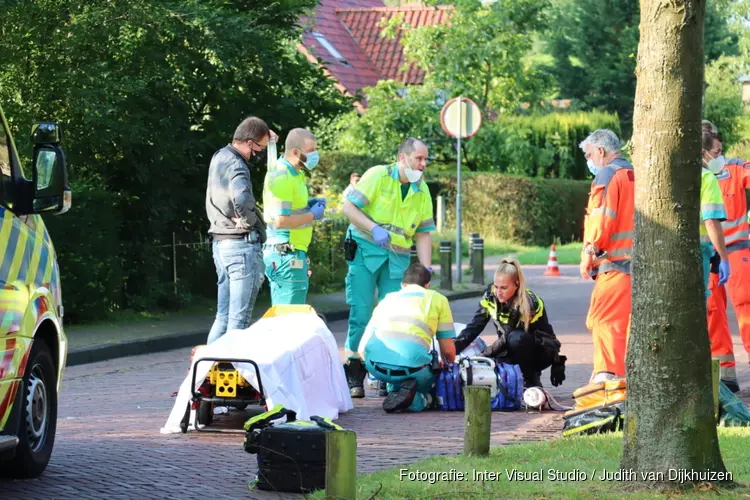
669,423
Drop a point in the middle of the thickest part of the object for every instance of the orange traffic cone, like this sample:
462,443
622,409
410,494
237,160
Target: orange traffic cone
552,268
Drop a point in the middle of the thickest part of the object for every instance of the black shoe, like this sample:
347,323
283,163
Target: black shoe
533,380
402,398
382,389
355,377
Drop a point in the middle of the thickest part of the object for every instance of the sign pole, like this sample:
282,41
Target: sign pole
460,130
458,195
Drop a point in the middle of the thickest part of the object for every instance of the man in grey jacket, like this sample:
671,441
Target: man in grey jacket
237,226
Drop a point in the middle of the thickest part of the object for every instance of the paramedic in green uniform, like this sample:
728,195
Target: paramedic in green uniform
290,215
390,209
401,332
711,232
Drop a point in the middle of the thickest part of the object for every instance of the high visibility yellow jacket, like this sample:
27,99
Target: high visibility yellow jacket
403,325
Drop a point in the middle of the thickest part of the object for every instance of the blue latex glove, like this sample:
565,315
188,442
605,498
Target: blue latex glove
314,201
317,211
723,272
381,236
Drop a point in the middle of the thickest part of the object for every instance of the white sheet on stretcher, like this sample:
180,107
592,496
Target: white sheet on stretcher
299,367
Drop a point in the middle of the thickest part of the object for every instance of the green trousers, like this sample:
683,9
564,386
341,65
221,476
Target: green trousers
287,275
361,282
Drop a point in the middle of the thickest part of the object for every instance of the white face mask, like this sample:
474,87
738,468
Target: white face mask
716,164
592,166
411,174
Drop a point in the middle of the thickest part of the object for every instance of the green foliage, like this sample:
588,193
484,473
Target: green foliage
538,146
326,254
147,91
394,112
594,45
519,209
741,149
335,167
723,98
481,52
87,251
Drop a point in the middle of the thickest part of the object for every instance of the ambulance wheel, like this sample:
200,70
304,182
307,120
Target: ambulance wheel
205,413
36,435
240,406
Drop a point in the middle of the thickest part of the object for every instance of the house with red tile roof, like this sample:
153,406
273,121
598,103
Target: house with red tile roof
344,36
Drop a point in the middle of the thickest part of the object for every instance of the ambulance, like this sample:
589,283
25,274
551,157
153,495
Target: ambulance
33,346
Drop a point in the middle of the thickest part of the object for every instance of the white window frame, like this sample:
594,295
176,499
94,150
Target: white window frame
328,46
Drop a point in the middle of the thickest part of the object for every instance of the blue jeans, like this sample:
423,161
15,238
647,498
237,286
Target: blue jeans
239,268
424,378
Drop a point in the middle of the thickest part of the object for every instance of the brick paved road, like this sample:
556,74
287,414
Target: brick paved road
109,446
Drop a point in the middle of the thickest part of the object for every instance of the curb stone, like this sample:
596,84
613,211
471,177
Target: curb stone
162,343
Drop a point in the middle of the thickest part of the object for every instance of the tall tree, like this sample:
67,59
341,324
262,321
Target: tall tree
594,45
147,90
481,52
669,423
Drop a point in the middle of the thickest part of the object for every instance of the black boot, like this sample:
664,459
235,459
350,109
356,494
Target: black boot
402,398
355,377
533,380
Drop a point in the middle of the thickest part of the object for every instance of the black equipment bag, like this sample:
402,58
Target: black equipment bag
291,455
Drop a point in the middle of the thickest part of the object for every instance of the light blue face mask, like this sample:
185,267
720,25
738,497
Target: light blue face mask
312,160
592,166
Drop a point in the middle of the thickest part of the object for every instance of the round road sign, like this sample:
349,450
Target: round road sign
467,112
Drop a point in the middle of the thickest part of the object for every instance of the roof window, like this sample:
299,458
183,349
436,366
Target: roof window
329,47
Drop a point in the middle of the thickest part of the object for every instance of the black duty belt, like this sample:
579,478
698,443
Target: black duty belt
397,372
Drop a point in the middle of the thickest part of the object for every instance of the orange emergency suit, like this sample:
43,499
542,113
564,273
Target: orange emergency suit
733,179
608,229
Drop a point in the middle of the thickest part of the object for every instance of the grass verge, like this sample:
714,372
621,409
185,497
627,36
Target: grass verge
569,253
559,467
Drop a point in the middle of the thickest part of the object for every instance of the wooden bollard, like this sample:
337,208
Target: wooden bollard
446,265
715,378
477,261
341,465
477,420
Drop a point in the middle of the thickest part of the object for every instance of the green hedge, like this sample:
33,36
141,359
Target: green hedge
538,145
520,209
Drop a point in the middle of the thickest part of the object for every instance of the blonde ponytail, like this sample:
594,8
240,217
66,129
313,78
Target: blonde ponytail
511,267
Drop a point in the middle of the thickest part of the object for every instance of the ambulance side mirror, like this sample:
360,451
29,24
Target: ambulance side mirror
50,180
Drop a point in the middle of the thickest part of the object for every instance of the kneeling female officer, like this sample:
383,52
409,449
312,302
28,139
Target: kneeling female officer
524,335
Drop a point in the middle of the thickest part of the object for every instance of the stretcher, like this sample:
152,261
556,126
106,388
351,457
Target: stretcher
224,386
288,357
